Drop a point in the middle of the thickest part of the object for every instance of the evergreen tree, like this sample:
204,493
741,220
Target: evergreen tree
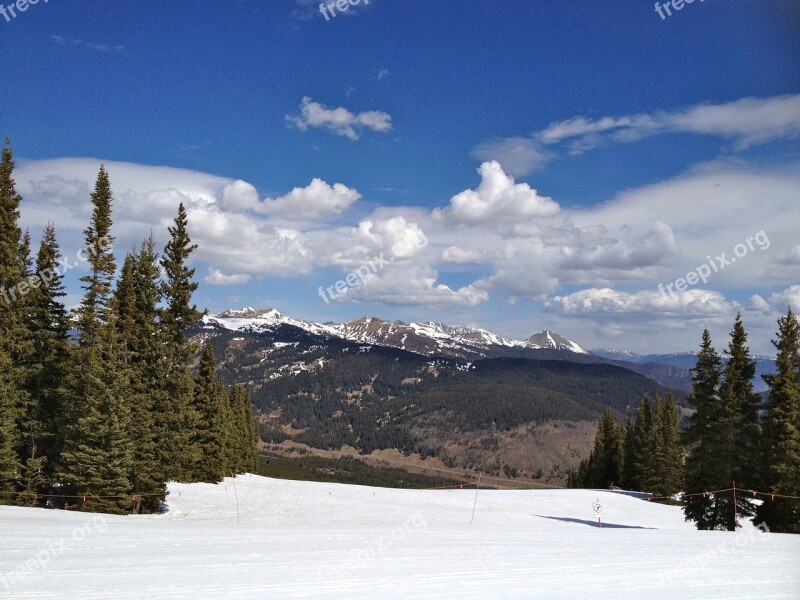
49,325
724,433
14,336
646,447
209,434
176,415
741,406
605,470
97,458
245,431
630,478
136,320
669,469
702,435
95,310
782,432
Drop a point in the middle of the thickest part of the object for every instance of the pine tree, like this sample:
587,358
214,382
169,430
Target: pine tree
703,437
14,336
97,458
209,435
604,467
244,430
669,468
608,452
176,416
741,406
725,434
646,444
782,432
49,327
136,320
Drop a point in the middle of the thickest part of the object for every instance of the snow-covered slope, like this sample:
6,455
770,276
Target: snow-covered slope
315,540
427,338
250,319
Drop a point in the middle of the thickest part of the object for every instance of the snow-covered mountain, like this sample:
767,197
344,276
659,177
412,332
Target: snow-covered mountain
552,341
427,338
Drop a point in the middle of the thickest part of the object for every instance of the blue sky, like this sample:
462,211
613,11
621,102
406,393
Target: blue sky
617,151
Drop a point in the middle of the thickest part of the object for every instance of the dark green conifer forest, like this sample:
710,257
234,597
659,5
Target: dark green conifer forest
734,441
100,423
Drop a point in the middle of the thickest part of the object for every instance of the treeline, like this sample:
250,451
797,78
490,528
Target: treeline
101,420
644,453
734,440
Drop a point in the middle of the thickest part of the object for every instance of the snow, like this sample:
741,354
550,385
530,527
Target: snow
310,540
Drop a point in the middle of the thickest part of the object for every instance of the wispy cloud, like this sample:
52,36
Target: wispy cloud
59,39
339,121
745,122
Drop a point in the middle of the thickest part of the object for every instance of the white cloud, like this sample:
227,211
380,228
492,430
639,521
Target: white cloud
457,254
339,121
217,277
316,201
745,122
604,302
412,285
503,240
518,155
497,200
778,302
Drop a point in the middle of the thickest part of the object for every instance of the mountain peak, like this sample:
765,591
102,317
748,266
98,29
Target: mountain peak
553,341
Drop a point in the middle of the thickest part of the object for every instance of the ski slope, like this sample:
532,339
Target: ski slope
313,540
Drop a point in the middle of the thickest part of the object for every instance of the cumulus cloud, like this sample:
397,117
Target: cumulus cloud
778,302
503,240
497,200
412,284
338,121
594,302
316,201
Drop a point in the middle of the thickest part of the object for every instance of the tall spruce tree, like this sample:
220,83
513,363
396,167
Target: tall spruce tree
210,434
645,448
782,432
136,320
14,336
741,406
176,416
97,456
669,454
49,326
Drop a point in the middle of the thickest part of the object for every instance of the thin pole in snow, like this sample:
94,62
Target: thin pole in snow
237,497
474,504
734,506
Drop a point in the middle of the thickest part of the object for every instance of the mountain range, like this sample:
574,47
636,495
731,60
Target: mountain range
471,343
427,339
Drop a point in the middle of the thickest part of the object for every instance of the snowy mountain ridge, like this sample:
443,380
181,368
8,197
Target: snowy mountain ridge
426,338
